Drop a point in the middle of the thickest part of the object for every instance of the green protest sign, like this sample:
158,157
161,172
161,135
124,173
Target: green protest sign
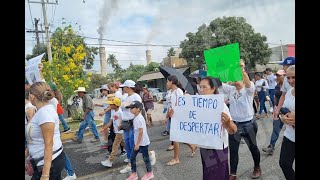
223,62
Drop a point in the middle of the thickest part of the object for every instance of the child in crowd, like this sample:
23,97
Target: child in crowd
116,117
141,141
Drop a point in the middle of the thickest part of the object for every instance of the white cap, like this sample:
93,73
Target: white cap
128,83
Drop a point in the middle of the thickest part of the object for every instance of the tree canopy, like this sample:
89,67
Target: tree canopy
223,31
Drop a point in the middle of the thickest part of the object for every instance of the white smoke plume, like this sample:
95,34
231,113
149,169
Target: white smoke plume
109,6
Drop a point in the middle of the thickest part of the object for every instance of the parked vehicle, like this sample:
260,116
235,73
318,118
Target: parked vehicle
157,94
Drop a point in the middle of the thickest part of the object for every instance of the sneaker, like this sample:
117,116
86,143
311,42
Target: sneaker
76,139
106,163
256,173
94,140
126,160
148,176
165,133
152,157
68,177
126,170
269,150
67,131
133,177
271,109
123,153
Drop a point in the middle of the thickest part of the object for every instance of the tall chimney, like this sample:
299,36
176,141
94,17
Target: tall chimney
148,55
103,61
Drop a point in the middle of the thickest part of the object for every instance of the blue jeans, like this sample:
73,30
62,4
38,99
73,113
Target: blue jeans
271,95
63,122
107,117
169,124
262,99
88,120
145,153
129,141
277,126
68,166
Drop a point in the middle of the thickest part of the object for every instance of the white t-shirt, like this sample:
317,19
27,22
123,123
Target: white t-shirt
272,81
118,94
104,104
139,122
26,106
289,102
127,115
54,102
225,134
172,97
116,117
259,84
124,96
34,134
286,86
241,107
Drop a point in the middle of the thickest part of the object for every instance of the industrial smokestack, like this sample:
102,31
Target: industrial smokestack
148,56
103,61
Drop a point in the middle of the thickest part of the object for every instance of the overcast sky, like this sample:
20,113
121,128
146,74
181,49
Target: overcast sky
158,22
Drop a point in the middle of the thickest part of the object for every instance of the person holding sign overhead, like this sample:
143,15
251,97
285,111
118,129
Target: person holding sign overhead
241,110
215,163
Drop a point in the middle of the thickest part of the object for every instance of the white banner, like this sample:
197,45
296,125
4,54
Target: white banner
32,70
197,120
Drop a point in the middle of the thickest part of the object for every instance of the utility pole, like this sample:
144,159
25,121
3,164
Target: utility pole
46,26
37,33
281,51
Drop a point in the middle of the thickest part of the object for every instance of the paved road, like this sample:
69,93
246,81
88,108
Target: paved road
86,159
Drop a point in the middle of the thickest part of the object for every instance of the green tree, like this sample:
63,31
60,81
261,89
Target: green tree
171,52
66,36
69,56
223,31
112,60
133,72
97,80
153,66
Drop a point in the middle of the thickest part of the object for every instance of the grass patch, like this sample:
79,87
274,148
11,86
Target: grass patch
74,126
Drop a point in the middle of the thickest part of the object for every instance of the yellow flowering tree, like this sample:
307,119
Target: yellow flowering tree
69,56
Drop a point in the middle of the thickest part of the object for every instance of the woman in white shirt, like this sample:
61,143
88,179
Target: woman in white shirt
173,92
261,87
287,154
44,143
219,159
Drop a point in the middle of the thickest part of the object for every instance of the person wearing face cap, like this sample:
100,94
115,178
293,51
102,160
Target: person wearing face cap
287,62
131,89
277,123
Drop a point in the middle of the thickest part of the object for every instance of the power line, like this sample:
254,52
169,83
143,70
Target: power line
137,45
30,13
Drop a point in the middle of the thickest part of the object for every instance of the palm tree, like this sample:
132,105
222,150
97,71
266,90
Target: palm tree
112,61
171,52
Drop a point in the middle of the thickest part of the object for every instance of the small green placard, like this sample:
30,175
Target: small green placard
223,62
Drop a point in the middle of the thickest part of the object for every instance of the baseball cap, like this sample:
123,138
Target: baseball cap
104,87
128,83
116,101
288,61
136,104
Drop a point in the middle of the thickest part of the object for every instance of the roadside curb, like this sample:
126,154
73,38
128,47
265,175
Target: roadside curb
68,137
